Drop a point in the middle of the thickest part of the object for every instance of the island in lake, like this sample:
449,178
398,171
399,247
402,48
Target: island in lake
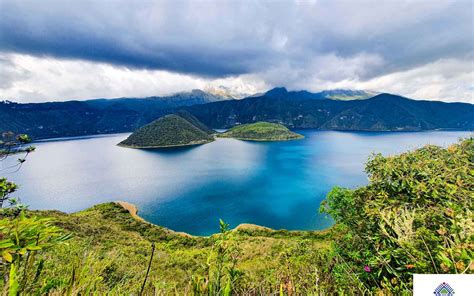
169,131
261,131
184,129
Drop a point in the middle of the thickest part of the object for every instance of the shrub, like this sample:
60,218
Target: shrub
21,238
414,216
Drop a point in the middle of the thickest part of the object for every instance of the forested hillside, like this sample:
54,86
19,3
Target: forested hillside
98,116
293,109
380,113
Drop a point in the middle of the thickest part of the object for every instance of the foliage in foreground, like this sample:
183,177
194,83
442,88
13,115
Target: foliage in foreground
20,241
415,216
110,250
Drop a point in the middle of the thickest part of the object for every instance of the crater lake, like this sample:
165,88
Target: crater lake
274,184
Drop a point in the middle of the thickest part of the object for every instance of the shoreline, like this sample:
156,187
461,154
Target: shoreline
263,140
133,210
112,134
164,146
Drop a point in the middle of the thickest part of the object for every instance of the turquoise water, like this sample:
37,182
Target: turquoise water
275,184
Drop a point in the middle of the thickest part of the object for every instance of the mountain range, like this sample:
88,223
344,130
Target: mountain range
96,116
383,112
328,110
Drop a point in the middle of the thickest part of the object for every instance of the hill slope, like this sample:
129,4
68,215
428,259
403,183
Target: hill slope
384,112
292,109
97,116
168,131
261,131
194,121
110,251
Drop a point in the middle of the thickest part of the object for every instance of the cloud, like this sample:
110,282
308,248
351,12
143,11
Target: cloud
9,73
175,45
33,79
448,79
27,78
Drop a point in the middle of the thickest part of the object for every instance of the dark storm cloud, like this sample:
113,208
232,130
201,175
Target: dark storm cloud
230,38
118,32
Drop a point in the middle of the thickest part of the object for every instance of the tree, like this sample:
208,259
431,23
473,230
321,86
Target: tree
11,144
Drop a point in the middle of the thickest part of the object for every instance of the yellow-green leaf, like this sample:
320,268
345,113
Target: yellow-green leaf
7,256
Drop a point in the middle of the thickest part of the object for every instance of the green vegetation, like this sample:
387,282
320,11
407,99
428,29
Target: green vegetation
414,216
296,109
194,121
22,239
261,131
168,131
110,250
11,144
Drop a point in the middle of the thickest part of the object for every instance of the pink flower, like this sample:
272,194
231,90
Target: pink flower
367,268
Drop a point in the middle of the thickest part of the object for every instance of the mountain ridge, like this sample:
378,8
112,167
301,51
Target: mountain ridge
383,112
333,94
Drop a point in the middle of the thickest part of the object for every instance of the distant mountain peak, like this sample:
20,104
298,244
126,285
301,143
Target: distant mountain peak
193,92
198,94
197,91
236,92
388,97
277,91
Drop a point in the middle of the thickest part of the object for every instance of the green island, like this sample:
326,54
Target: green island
169,131
194,121
261,131
414,216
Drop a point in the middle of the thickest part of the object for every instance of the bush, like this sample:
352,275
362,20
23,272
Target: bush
415,216
21,238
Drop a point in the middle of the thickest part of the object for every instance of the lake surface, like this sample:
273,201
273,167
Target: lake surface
275,184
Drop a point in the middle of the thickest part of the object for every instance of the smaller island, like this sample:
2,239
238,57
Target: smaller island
261,131
169,131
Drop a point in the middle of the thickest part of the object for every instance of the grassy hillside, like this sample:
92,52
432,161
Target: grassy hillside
261,131
110,251
168,131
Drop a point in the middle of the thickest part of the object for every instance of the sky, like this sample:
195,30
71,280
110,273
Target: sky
63,50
